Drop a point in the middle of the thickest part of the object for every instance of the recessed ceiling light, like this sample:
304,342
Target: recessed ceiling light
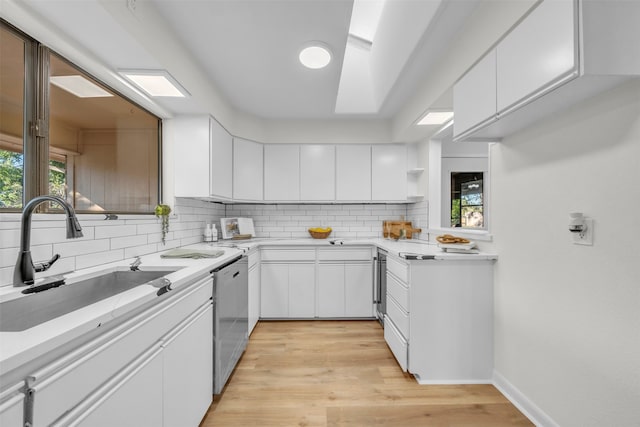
315,56
155,82
436,118
79,86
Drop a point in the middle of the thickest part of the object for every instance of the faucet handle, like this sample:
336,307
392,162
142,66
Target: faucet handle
44,266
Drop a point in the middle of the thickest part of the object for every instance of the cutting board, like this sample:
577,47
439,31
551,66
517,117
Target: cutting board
393,229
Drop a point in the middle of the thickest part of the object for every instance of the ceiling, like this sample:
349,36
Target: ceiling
241,55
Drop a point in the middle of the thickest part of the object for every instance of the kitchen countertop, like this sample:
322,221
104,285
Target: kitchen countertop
19,348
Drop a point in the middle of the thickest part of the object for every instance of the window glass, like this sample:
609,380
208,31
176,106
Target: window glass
12,72
104,150
467,197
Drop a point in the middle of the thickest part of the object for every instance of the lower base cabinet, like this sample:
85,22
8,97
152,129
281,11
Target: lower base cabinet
345,290
154,369
287,290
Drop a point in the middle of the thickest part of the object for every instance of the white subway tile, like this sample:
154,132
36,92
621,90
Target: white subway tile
6,276
72,248
114,231
140,250
127,242
91,260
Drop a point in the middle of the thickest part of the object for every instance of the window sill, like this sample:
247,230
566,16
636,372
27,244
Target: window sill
482,235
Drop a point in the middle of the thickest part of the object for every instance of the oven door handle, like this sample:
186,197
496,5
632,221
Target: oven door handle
376,271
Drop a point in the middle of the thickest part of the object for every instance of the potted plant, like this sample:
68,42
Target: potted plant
162,212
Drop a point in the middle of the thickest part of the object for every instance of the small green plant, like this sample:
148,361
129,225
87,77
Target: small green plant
162,212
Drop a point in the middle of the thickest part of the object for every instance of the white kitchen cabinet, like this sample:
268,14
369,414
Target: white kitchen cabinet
254,288
537,54
345,282
203,154
187,361
129,399
345,290
302,290
287,290
560,54
474,96
274,290
281,172
79,379
248,166
389,173
12,406
317,172
436,309
353,172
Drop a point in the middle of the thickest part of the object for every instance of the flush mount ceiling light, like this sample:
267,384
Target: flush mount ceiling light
79,86
435,118
155,82
315,56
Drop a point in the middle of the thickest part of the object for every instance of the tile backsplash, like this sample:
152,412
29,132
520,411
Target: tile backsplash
116,240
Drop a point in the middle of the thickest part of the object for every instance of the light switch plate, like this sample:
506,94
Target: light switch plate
585,238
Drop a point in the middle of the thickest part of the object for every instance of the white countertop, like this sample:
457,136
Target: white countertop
19,348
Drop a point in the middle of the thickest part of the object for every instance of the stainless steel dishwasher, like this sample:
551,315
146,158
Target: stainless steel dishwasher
230,318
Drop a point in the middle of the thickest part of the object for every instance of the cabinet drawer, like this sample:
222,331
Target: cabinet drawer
398,316
399,291
398,268
350,254
396,343
293,254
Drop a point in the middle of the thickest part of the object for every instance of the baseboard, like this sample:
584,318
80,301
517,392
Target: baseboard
520,401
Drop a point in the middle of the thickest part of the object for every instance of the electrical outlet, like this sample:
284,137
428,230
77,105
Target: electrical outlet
586,237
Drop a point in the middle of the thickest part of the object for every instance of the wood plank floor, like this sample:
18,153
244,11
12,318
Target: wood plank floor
341,373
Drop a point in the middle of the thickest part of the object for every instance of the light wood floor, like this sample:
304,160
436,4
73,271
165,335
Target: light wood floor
341,373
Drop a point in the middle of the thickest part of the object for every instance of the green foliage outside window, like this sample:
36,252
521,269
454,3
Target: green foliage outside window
11,166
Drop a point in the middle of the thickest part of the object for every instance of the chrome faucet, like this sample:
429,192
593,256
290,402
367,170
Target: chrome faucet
24,274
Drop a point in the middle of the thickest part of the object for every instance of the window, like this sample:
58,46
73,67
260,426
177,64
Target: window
91,146
467,199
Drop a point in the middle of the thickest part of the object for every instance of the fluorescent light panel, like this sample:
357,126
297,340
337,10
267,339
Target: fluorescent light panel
155,83
79,86
436,118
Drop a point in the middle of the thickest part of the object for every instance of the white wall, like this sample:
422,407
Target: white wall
567,317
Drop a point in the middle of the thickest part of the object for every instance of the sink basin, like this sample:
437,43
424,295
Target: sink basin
36,308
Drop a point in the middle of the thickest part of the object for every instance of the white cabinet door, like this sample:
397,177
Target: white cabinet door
358,292
539,52
317,172
221,161
274,290
302,290
474,95
131,401
281,172
331,301
389,172
190,348
254,294
353,172
191,155
12,406
247,170
345,290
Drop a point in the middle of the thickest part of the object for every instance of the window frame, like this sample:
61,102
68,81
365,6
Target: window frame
36,147
440,191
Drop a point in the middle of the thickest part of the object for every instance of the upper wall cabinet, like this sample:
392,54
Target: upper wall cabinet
281,172
353,172
474,96
389,172
203,153
248,166
317,172
560,54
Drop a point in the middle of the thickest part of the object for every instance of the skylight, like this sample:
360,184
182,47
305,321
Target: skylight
365,18
436,118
